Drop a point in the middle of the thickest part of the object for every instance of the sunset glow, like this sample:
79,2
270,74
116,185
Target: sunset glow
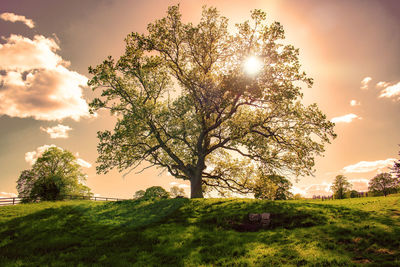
252,65
46,49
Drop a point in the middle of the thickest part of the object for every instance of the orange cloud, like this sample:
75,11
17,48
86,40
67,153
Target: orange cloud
37,82
7,16
322,189
345,118
59,131
368,166
32,156
354,103
364,83
6,194
361,185
390,91
23,54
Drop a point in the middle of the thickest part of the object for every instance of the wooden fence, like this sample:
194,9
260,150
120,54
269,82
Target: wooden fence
95,198
5,201
9,201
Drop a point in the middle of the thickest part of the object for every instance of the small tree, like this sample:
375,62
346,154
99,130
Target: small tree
139,194
177,191
384,183
396,168
25,185
54,175
353,194
273,187
298,197
155,192
340,187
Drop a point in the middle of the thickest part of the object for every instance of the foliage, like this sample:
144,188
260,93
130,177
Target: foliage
138,194
340,187
182,232
298,197
54,175
396,168
353,194
184,103
155,192
384,183
176,191
273,187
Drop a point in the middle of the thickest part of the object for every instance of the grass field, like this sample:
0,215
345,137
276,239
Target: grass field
182,232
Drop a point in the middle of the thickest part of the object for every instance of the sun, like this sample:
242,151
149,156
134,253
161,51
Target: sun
252,65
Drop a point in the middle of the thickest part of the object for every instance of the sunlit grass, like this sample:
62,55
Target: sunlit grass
182,232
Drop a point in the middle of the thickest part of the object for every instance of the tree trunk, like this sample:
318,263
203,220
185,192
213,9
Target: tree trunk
196,190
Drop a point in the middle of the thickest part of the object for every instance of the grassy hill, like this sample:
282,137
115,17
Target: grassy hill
182,232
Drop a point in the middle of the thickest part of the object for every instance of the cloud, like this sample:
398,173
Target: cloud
5,194
361,185
83,163
296,190
364,83
36,82
23,54
59,131
354,103
14,18
345,118
322,189
32,156
179,185
382,84
369,166
390,91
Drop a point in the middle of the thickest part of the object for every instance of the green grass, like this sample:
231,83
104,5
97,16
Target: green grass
182,232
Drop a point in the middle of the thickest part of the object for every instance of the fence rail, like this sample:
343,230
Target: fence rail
96,198
9,201
5,201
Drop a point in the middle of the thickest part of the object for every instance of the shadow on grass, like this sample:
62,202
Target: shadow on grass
181,232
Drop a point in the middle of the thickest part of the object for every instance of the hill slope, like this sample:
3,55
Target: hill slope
182,232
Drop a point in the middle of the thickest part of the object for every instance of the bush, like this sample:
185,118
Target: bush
155,192
353,194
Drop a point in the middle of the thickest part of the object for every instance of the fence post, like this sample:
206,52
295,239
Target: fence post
106,199
13,200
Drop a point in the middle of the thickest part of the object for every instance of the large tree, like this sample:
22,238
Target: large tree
53,176
340,187
209,105
384,183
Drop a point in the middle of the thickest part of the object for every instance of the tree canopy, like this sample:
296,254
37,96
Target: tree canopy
54,175
273,187
176,191
384,183
155,192
209,105
139,194
340,187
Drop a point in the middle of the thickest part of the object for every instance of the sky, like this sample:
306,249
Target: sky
350,48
